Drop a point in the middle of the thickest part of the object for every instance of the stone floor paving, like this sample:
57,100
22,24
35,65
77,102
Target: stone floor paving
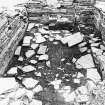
54,67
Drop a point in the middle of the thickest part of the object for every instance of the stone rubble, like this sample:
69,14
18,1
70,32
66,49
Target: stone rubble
39,66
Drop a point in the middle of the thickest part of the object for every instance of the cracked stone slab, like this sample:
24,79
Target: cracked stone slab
86,61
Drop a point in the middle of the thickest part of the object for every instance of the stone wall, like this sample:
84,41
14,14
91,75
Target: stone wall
9,39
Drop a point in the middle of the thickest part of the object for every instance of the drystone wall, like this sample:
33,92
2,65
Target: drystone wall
10,36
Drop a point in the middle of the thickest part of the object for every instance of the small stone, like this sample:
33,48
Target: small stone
30,26
28,68
102,47
43,31
27,40
7,84
29,83
75,39
96,51
79,75
37,89
36,102
63,59
56,84
51,39
74,60
12,71
83,49
39,38
95,44
77,81
20,58
29,53
33,61
55,43
48,63
38,74
93,75
42,49
18,50
43,57
34,46
86,61
82,44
